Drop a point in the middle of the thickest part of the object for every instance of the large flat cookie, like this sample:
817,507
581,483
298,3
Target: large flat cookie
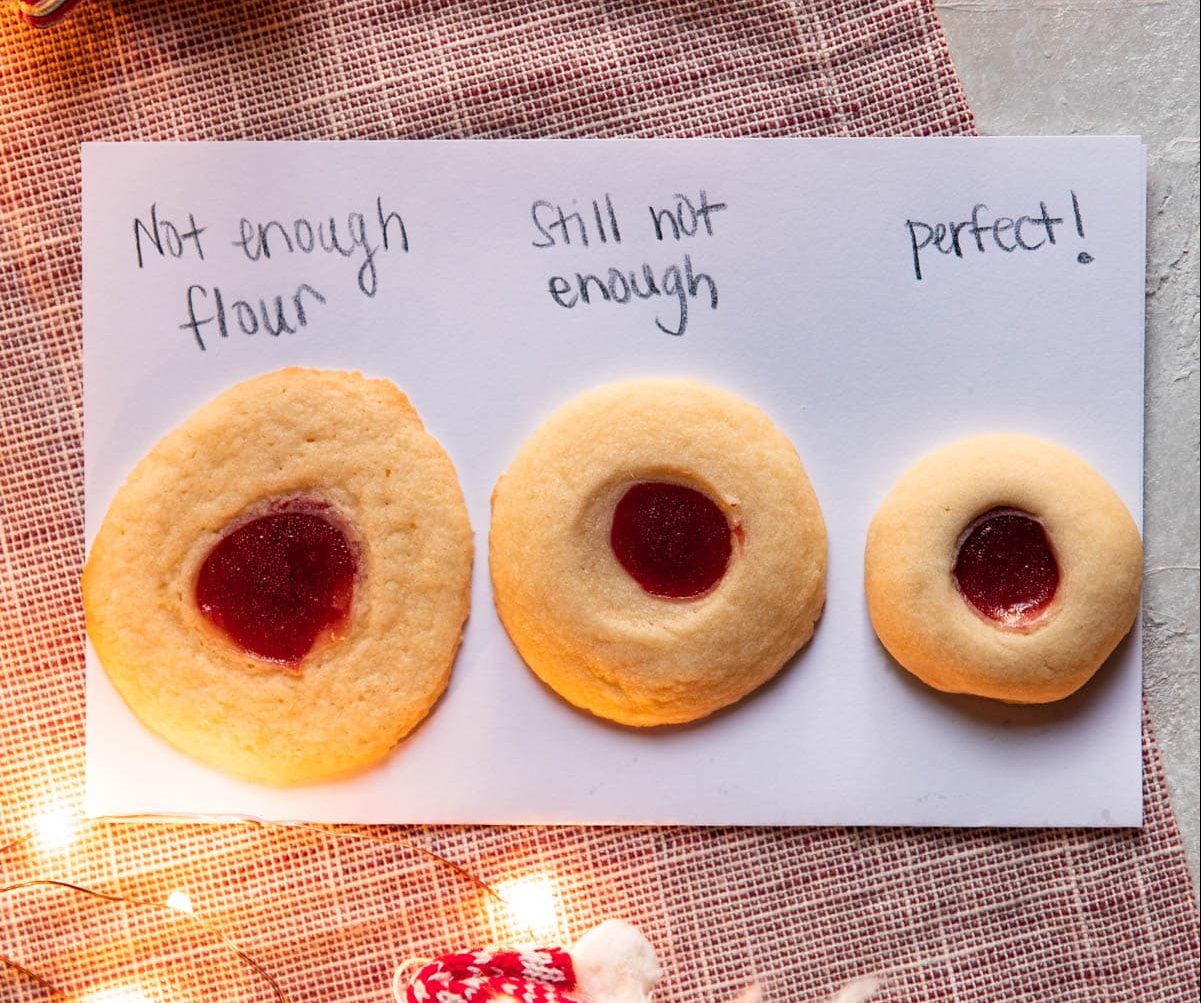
279,588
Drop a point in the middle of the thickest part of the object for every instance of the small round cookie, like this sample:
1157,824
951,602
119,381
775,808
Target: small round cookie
1005,567
280,585
657,551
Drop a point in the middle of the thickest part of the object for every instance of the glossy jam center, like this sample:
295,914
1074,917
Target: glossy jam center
672,540
1005,567
277,583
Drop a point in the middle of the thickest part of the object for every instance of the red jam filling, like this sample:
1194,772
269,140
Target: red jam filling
1005,567
277,583
672,540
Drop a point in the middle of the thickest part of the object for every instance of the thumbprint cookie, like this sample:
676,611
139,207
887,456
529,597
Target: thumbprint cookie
280,585
657,551
1005,567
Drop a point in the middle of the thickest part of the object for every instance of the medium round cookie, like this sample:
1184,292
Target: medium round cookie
657,551
1005,567
280,585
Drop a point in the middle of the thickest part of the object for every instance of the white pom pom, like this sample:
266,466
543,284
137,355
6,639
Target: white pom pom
614,963
858,991
751,994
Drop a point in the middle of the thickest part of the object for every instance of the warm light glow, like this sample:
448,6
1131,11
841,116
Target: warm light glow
53,830
180,901
115,994
531,905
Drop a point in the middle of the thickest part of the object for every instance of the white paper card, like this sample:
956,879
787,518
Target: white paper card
844,286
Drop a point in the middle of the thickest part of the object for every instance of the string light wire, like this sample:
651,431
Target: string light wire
261,823
33,977
856,992
32,834
209,928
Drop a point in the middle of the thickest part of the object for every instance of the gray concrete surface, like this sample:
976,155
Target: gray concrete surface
1062,67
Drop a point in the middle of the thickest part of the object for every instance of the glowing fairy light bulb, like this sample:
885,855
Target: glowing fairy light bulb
531,903
180,901
53,830
115,994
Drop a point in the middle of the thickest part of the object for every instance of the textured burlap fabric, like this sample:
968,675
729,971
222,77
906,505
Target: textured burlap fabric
944,915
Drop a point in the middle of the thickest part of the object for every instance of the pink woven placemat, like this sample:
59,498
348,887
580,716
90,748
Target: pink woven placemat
945,915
